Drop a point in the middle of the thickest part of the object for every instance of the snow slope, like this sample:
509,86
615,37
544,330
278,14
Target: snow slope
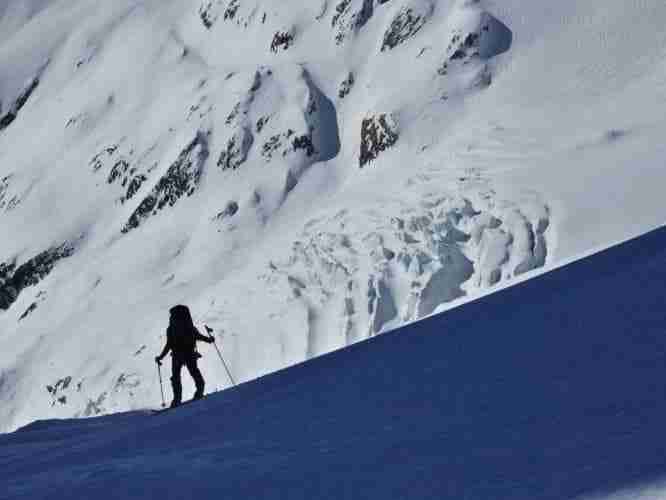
304,177
551,389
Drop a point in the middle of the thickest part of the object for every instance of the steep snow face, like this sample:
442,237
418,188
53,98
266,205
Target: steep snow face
302,176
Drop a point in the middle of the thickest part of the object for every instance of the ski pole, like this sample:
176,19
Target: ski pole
210,330
159,374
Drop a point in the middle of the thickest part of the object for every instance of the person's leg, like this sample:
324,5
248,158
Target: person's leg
176,366
196,375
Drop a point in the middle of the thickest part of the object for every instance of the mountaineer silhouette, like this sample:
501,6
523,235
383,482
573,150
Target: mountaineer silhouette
182,338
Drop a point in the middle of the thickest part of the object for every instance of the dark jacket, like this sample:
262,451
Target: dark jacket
181,341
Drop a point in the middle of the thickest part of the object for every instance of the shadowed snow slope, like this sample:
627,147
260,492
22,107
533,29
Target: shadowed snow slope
551,389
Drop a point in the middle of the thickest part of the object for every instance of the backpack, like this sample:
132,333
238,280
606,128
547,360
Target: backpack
181,338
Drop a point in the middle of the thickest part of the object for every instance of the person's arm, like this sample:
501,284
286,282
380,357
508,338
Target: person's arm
203,338
165,351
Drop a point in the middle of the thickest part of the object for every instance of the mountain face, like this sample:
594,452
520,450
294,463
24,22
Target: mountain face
303,175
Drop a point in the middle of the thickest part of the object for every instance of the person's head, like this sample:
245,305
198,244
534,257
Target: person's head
180,315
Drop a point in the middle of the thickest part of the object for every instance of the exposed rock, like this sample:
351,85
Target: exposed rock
133,187
340,9
32,308
98,161
120,168
124,169
4,191
209,11
126,382
229,211
261,122
286,143
405,25
6,271
256,84
231,10
14,279
351,16
205,14
238,146
378,133
346,86
56,390
181,179
200,109
303,131
12,114
282,40
303,142
272,145
468,48
241,108
234,113
95,406
461,49
490,39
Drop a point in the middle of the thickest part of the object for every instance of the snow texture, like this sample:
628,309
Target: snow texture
304,175
540,391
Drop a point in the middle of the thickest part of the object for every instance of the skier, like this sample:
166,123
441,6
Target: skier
181,341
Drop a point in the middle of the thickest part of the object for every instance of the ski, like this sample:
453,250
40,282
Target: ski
169,408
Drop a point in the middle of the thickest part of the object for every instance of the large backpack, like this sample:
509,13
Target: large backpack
181,339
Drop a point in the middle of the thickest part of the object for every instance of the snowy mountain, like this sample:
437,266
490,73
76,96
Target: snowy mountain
541,391
304,175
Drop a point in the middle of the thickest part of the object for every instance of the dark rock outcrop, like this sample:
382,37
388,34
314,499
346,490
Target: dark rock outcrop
462,49
13,279
404,26
207,15
286,143
123,171
491,39
235,154
351,16
378,133
346,86
181,179
209,11
31,308
4,191
231,10
282,40
21,100
229,211
56,389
